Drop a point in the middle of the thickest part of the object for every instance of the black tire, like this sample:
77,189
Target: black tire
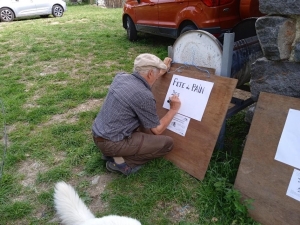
131,30
6,15
187,28
57,11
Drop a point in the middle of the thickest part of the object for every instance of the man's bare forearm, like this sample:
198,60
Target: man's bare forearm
164,122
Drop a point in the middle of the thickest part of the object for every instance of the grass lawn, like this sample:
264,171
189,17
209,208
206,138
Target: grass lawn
55,73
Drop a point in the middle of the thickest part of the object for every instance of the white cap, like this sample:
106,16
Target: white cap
147,59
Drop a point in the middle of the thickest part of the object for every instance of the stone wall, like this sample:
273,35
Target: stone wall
279,36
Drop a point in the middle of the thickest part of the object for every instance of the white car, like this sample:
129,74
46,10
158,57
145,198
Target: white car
11,9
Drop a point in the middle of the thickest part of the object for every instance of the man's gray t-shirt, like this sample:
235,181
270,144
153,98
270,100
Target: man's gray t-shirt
128,104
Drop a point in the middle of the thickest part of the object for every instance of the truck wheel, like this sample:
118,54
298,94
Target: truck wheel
187,28
131,31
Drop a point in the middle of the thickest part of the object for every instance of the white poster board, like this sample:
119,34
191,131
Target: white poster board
193,94
288,150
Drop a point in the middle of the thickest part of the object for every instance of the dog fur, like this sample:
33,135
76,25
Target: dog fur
72,210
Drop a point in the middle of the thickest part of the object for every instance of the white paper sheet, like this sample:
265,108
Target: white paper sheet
288,150
294,187
193,94
179,124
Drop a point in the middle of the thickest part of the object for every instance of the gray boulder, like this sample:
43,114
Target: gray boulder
297,52
284,7
276,35
279,77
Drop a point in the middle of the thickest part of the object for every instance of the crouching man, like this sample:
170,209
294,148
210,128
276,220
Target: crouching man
130,104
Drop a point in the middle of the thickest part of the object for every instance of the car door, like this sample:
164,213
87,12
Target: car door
146,13
229,14
169,15
24,8
43,7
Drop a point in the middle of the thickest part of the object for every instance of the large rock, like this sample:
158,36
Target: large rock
297,51
276,35
284,7
281,78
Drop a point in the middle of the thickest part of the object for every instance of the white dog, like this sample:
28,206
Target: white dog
72,211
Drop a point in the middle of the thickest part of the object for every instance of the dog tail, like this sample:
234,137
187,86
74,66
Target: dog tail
70,208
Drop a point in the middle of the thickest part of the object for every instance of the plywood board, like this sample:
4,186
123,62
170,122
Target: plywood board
262,178
192,152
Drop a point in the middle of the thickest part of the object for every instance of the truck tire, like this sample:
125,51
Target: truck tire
131,30
187,28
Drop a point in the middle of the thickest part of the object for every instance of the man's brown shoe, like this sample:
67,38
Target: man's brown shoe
121,168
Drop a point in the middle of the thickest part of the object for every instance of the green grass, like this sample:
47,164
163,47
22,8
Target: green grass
55,72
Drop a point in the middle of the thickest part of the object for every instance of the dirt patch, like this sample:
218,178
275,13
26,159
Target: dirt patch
78,21
109,63
31,103
88,106
71,115
50,69
13,56
177,213
59,157
30,169
29,85
98,186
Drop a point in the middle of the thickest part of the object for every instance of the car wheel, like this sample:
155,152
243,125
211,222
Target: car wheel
131,31
57,11
187,28
6,15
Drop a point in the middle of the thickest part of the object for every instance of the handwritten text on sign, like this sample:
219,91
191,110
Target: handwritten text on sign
193,94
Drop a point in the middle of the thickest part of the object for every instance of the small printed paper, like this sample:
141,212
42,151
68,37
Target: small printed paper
288,150
294,187
193,94
179,124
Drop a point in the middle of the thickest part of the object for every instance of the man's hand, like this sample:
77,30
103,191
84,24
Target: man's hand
175,103
165,121
167,62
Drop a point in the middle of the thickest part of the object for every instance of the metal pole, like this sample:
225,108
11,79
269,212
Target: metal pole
225,72
227,55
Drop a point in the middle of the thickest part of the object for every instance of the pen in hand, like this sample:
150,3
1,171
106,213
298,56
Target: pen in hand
174,102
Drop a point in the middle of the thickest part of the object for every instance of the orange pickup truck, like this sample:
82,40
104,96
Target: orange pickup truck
170,18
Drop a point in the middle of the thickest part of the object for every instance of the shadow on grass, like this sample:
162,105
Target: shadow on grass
154,40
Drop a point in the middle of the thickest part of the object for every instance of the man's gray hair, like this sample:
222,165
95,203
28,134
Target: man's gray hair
143,70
